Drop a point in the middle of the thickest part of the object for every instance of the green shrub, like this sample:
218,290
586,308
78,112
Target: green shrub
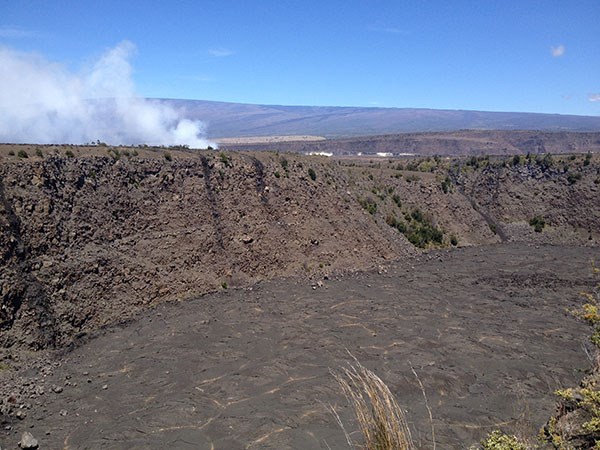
418,229
369,204
573,177
225,159
391,220
538,223
497,440
114,153
446,185
453,240
284,163
423,234
312,174
168,156
22,154
397,200
581,404
546,162
417,215
39,153
69,154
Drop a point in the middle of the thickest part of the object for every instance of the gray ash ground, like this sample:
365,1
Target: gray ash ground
486,329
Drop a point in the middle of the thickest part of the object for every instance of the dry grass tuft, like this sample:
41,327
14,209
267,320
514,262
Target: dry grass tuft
380,418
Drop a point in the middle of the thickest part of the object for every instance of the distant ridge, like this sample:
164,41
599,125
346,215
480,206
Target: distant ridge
225,120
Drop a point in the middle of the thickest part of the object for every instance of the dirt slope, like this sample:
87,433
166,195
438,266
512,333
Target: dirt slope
89,240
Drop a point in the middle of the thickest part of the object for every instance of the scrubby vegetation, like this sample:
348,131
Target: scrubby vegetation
498,440
538,223
576,425
225,160
369,204
418,229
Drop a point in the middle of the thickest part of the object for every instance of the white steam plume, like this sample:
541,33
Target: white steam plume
42,102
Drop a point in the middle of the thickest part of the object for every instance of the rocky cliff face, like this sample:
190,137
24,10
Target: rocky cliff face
88,241
562,190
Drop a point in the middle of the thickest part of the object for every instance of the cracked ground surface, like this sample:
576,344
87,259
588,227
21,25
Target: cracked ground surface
486,329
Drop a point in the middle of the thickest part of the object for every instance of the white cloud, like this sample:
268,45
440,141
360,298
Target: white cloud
594,97
557,51
220,52
15,33
199,78
389,30
42,102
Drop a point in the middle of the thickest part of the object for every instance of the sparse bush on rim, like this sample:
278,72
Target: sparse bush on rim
538,223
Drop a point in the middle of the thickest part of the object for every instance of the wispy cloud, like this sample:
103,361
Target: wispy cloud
594,97
200,78
220,52
389,30
557,51
8,32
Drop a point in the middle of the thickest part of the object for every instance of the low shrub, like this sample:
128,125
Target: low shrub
369,204
538,223
573,177
226,160
498,440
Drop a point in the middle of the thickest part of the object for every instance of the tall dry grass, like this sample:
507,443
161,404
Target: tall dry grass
381,420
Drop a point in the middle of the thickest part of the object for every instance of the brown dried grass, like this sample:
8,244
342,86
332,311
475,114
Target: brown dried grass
381,420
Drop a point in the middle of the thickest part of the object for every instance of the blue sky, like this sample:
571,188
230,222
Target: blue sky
521,55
